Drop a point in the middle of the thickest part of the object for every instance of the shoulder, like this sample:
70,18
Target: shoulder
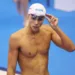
15,37
47,28
18,34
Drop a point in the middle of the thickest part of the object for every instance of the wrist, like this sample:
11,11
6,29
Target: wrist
54,27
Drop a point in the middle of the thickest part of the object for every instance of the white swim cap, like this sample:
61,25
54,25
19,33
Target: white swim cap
37,9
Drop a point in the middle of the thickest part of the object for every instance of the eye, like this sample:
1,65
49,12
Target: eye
40,18
34,17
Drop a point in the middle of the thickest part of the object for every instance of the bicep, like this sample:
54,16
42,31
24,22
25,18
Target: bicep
56,39
12,54
12,58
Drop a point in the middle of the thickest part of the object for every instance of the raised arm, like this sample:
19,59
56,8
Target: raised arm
58,36
12,56
61,40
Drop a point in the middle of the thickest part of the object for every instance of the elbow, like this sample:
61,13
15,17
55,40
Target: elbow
71,49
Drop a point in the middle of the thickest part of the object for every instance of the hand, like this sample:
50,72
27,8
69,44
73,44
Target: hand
52,20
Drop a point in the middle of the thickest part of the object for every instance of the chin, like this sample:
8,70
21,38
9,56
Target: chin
35,30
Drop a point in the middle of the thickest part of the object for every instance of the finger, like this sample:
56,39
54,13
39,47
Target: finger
48,19
54,21
49,16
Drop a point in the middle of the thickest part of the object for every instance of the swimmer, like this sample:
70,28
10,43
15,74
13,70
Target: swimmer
30,45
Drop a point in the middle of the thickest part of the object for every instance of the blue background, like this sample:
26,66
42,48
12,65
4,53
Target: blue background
61,62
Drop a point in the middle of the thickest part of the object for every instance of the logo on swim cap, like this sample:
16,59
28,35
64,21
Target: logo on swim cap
39,10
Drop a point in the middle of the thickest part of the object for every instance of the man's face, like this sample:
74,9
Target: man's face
35,22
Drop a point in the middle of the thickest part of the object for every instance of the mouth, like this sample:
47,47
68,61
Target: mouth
35,27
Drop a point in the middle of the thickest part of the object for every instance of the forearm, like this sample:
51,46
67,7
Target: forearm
66,42
10,71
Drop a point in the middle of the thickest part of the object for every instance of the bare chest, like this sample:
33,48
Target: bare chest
30,45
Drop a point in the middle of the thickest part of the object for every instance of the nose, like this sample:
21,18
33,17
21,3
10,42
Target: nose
36,22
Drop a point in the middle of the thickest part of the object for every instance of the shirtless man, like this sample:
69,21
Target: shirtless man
30,45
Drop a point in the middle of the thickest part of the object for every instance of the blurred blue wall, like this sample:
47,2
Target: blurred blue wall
61,62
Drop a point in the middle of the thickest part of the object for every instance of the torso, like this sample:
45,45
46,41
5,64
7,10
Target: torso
33,53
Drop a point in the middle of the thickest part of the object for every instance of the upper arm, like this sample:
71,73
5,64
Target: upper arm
54,36
56,39
12,54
